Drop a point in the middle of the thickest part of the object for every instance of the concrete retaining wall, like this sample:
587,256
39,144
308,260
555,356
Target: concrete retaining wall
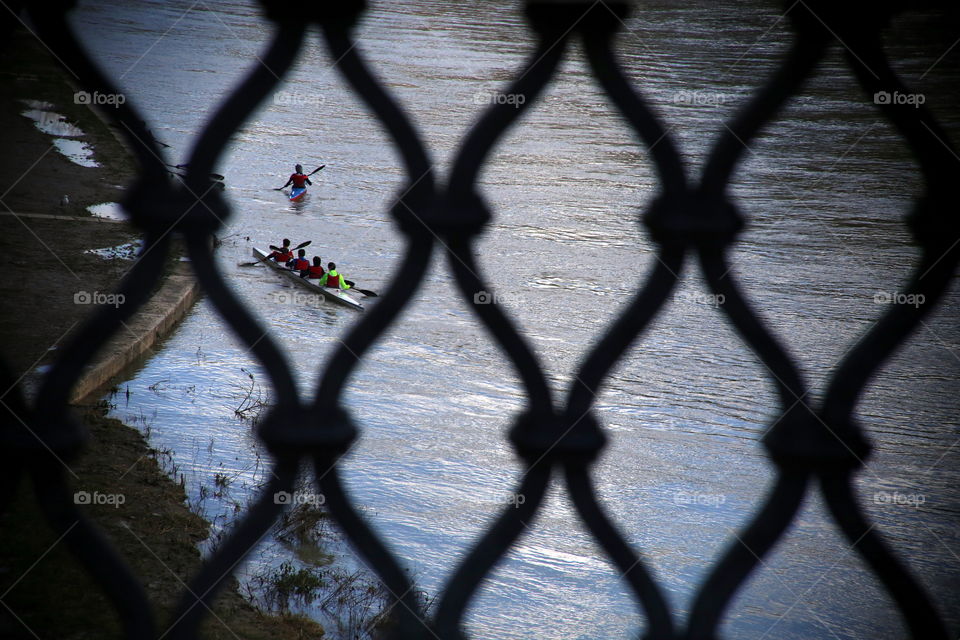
152,322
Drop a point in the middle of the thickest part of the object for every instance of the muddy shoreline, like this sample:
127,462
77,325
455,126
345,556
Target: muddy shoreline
50,283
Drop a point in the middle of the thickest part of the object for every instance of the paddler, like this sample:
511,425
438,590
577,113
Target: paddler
315,271
282,254
333,279
300,262
298,179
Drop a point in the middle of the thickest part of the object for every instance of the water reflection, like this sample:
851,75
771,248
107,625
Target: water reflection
825,193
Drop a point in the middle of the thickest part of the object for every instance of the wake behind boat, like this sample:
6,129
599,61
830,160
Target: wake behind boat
339,296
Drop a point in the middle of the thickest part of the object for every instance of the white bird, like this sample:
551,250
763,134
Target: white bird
64,201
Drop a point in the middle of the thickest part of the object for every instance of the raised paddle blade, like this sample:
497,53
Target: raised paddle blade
303,244
317,169
366,292
213,176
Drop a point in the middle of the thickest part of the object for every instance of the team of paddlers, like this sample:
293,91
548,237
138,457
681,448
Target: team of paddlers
314,270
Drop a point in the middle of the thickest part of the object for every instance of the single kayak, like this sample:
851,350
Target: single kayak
297,193
339,296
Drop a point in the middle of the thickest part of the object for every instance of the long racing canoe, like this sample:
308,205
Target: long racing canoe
338,296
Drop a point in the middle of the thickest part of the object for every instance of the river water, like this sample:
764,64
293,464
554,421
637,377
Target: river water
825,195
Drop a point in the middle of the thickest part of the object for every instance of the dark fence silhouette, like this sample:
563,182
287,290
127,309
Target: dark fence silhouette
815,448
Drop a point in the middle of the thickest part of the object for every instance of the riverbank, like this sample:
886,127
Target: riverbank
50,283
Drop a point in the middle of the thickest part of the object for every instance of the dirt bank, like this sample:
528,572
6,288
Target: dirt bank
48,285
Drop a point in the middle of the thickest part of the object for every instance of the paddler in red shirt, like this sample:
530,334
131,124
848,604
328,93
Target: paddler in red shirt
315,271
283,253
300,263
298,179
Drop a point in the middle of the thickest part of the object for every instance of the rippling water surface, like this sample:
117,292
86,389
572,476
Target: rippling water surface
825,191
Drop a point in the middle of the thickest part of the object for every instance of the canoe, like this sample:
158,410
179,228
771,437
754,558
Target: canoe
338,296
297,193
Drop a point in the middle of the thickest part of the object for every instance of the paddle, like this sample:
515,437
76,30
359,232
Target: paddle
299,246
366,292
308,175
213,176
274,248
149,133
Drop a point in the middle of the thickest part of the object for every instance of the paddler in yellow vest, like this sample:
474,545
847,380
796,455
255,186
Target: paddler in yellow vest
332,278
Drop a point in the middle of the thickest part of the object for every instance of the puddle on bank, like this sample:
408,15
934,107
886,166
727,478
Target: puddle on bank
55,124
77,151
108,210
127,251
